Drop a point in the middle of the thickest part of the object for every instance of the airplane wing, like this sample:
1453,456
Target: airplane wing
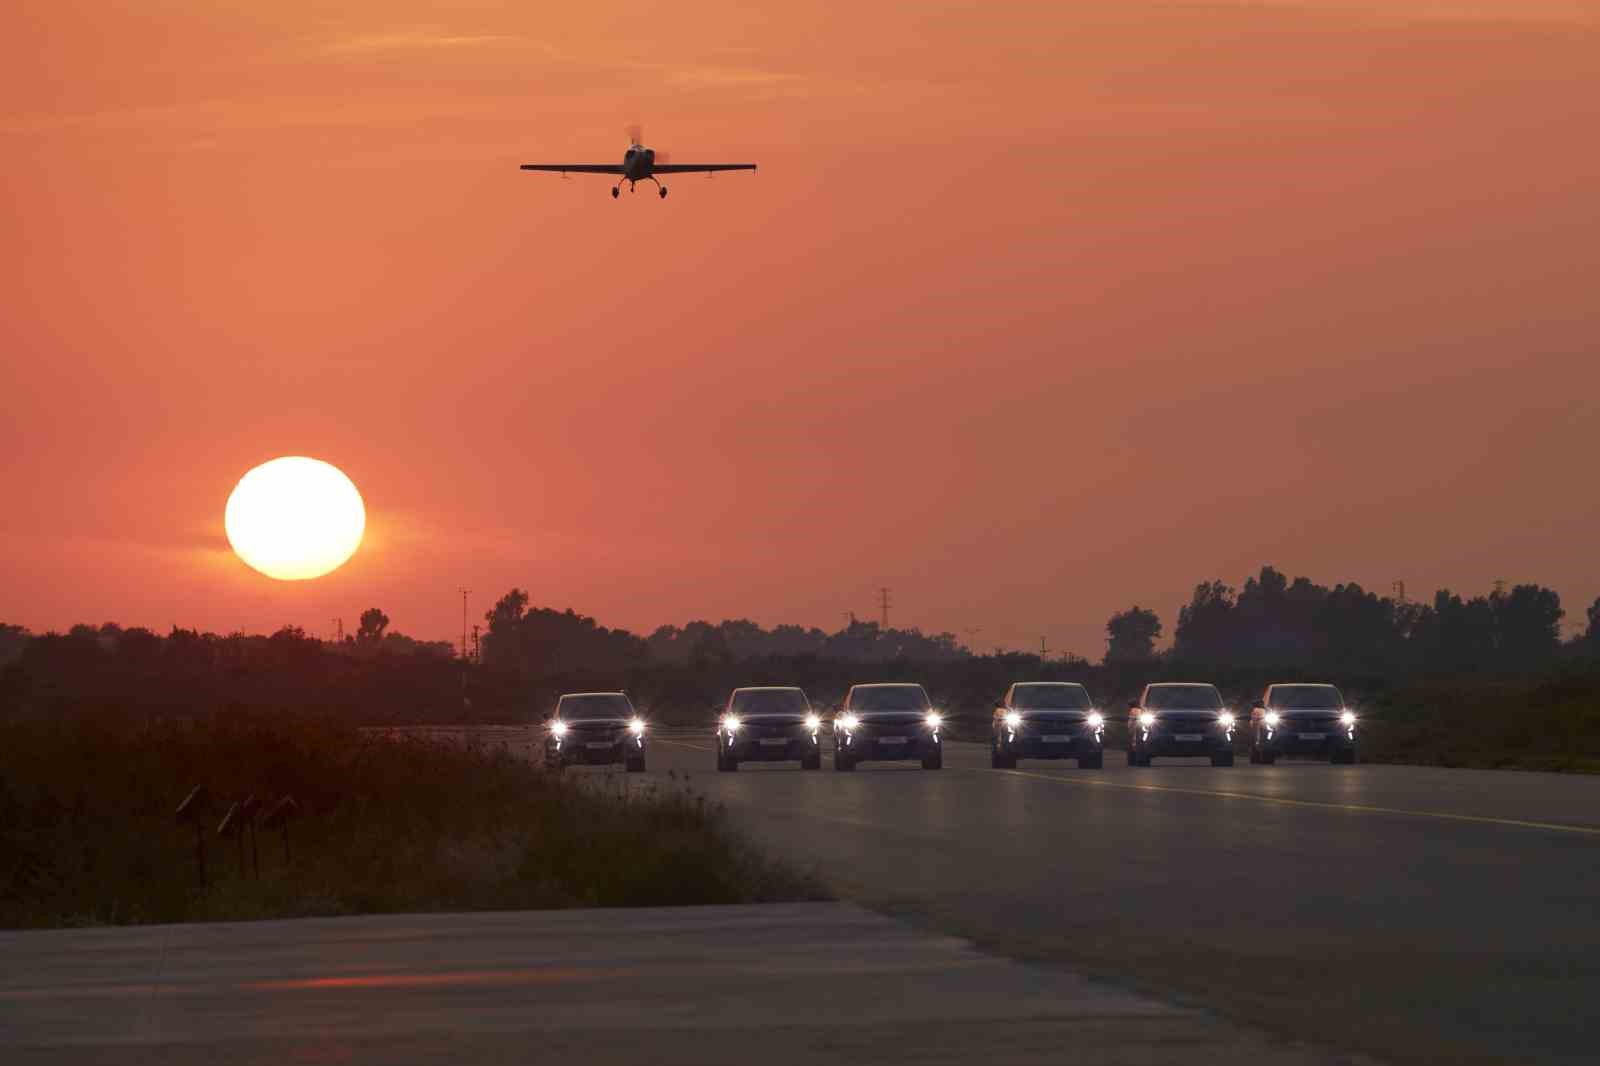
577,168
697,168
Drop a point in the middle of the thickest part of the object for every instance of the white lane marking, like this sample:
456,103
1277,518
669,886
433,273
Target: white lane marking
1360,808
680,744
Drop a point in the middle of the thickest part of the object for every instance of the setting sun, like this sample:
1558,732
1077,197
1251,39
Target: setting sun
295,518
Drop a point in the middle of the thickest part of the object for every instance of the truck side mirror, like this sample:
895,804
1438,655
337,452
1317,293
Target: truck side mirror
1259,706
1133,705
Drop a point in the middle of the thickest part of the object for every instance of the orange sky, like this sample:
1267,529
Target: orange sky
1027,315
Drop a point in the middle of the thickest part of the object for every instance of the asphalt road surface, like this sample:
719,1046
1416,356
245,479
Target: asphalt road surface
1413,914
698,986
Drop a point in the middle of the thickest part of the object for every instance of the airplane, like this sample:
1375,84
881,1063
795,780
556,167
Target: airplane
638,164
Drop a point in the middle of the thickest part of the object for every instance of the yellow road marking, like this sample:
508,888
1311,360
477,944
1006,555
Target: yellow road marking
1360,808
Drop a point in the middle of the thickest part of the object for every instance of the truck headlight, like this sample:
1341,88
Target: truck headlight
1271,718
730,722
1225,719
1147,719
636,727
558,728
813,723
1349,719
849,721
934,720
1013,719
1096,720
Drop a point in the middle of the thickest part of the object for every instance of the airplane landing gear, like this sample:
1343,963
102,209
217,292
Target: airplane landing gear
663,192
616,191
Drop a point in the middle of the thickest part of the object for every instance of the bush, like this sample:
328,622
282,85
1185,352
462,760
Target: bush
88,835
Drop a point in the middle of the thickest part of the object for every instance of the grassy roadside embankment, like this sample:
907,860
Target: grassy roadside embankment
88,834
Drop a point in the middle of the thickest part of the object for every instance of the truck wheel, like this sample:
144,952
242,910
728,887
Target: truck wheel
1096,761
812,761
934,761
842,762
634,766
1268,758
1222,758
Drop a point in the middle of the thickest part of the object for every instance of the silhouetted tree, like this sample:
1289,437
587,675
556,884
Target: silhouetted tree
1131,635
1527,624
1205,625
14,638
1593,632
373,624
500,642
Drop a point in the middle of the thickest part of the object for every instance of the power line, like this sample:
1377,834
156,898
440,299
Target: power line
883,602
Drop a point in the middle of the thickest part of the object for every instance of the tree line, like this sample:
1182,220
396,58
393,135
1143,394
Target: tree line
1271,627
1275,622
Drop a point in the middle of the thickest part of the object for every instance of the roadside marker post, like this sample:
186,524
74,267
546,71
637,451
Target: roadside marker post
190,812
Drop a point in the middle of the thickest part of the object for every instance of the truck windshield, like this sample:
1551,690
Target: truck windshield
1305,698
1183,697
889,698
1062,697
595,705
770,701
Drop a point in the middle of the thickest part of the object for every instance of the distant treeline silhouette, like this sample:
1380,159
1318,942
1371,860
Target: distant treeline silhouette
1270,628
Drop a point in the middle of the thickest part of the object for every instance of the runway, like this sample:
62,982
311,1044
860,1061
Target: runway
1415,914
1182,914
695,986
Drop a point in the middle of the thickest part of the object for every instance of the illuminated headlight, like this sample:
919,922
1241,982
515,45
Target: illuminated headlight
730,722
934,720
636,727
813,723
558,729
1349,719
849,721
1271,718
1096,720
1147,719
1013,719
1225,719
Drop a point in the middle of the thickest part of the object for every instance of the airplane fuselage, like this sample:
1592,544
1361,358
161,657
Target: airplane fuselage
638,162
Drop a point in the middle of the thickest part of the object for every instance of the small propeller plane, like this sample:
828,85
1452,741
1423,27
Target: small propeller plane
638,164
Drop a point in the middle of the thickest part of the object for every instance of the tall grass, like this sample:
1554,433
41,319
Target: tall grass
88,835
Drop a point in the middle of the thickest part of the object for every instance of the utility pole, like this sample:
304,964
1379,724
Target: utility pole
477,654
1043,650
464,591
883,602
1400,593
338,630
